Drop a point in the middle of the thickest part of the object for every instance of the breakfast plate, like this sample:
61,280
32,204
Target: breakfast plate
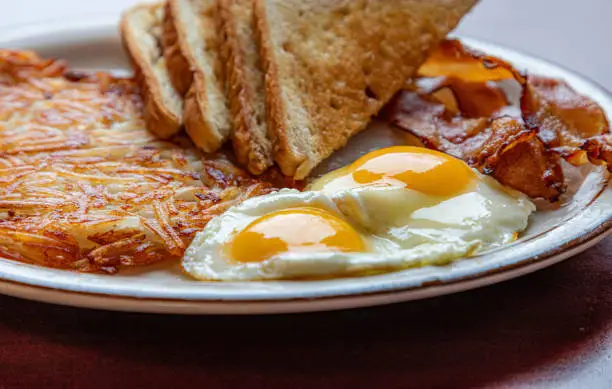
553,234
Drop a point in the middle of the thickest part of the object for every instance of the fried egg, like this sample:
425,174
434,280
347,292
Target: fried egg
391,209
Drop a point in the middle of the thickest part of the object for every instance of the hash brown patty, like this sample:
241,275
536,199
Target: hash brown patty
85,186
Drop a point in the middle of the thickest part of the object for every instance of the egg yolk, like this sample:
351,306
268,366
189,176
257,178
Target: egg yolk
303,229
417,168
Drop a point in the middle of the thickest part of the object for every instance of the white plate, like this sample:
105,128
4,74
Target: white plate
552,236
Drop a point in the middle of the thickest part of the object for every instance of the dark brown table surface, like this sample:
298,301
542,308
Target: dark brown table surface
551,329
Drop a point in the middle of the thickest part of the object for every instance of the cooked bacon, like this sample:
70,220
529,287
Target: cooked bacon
453,59
529,167
599,149
458,107
501,147
472,99
566,121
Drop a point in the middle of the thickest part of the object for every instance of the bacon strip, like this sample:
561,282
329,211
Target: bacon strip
458,107
567,122
453,59
501,147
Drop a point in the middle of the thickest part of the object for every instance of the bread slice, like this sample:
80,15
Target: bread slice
180,73
246,89
192,37
331,65
141,30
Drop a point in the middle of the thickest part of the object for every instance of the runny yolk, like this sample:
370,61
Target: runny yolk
304,229
418,168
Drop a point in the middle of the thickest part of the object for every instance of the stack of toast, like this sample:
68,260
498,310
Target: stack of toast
287,81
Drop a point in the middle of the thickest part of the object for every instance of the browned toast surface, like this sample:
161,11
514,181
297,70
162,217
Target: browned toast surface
178,65
192,35
141,31
331,65
246,90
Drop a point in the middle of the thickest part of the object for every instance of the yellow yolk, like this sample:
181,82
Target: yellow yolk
417,168
303,229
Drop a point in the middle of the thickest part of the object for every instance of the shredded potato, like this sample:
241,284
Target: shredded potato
83,184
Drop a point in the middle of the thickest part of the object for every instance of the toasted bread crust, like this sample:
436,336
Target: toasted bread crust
251,141
197,28
287,158
196,119
331,65
178,66
163,106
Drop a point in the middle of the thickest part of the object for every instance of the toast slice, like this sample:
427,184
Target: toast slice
246,90
331,65
141,30
192,39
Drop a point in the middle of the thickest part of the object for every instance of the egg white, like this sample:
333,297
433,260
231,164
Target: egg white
402,228
490,214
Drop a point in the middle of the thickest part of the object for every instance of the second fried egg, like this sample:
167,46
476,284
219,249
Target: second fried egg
393,208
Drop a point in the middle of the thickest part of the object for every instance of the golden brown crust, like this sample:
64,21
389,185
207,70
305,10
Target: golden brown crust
330,66
162,112
287,158
197,122
197,28
251,142
85,186
178,66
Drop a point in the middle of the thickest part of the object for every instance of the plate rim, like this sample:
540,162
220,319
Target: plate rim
100,27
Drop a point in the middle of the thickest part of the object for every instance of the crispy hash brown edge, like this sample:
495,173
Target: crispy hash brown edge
84,185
